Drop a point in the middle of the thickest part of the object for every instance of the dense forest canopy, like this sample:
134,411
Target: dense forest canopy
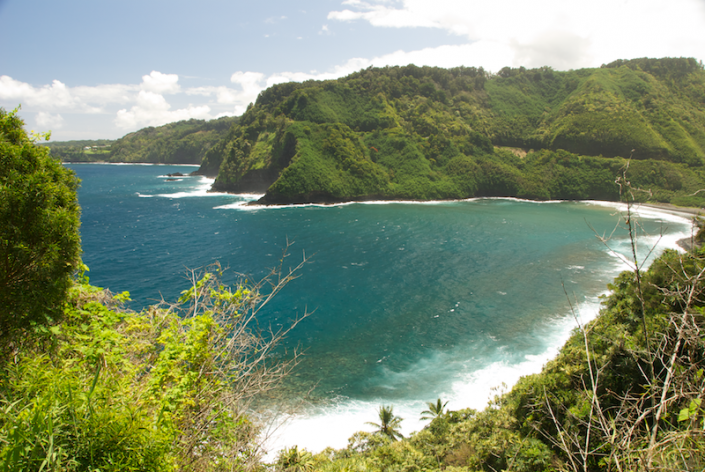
431,133
181,142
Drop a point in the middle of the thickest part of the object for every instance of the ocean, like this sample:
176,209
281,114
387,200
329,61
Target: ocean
408,301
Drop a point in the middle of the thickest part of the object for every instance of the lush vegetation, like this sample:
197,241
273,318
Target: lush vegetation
181,142
428,133
39,239
88,385
161,390
81,151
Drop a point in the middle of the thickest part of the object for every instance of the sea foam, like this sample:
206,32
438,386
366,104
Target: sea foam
331,426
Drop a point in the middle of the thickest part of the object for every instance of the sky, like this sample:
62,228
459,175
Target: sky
99,69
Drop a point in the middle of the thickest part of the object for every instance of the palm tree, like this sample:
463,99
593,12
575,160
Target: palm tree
295,460
389,423
434,410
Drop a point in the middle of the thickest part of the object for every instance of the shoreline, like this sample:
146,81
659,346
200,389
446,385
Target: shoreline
687,244
128,163
668,207
674,209
295,429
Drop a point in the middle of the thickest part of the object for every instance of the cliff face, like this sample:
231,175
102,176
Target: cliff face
429,133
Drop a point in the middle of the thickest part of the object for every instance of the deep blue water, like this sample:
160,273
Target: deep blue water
412,301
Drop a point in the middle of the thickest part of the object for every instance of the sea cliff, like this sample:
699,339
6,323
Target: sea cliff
427,133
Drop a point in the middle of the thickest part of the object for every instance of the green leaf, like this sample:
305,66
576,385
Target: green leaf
684,415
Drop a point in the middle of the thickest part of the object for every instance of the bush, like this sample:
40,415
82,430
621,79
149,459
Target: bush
39,239
165,389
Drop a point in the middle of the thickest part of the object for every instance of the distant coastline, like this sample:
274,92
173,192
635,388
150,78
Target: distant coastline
129,163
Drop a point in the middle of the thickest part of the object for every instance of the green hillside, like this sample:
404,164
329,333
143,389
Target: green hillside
181,142
429,133
81,150
87,385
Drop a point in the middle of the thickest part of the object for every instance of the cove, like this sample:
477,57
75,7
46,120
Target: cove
409,301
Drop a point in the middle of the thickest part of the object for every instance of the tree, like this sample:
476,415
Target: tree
295,460
434,410
388,423
39,238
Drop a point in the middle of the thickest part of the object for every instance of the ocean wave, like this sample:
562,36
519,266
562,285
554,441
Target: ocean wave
673,215
474,384
202,189
664,214
331,425
240,206
243,203
132,164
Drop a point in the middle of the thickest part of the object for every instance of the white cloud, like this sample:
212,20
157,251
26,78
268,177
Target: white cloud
248,86
160,83
105,94
58,96
152,109
49,121
249,81
148,105
54,96
560,33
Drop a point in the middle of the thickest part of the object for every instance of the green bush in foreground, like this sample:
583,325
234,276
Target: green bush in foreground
164,389
39,238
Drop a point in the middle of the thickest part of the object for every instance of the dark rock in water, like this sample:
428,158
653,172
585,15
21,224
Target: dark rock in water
176,174
171,180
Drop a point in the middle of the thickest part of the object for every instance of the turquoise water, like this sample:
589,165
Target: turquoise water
410,301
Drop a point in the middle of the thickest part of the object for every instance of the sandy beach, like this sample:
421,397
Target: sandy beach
686,212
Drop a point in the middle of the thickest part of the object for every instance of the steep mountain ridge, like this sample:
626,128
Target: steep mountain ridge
430,133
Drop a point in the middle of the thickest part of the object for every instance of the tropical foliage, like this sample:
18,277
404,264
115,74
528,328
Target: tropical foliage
165,389
181,142
388,423
39,238
428,133
294,459
435,410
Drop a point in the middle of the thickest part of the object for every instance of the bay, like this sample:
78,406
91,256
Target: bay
410,301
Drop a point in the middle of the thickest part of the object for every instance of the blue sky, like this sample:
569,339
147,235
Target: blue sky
103,68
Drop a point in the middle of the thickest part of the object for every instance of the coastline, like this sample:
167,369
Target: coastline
295,430
107,163
476,386
687,244
676,210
